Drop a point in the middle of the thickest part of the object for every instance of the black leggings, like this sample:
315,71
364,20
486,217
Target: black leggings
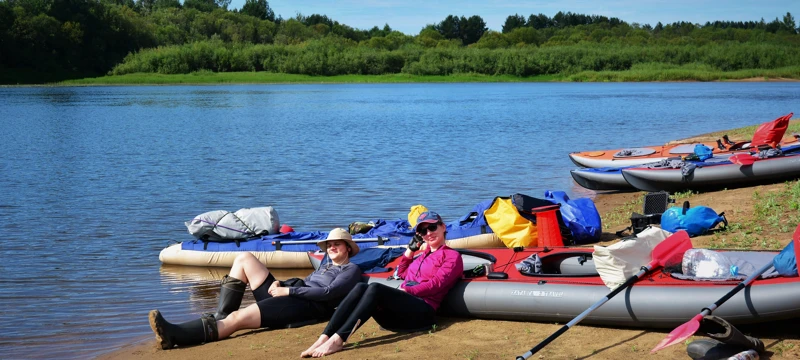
393,309
280,312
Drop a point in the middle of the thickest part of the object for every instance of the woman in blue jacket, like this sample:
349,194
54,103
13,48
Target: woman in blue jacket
277,304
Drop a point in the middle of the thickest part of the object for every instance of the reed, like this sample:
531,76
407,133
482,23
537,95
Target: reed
687,72
209,77
331,56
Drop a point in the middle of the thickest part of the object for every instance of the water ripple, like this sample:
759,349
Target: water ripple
102,178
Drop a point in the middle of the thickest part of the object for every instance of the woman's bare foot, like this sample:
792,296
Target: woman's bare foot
322,339
334,344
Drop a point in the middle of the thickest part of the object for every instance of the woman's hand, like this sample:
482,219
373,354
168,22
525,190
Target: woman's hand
275,284
279,291
415,242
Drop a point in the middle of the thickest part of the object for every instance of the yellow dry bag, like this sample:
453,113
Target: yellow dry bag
513,229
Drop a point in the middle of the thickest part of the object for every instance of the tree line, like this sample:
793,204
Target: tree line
168,36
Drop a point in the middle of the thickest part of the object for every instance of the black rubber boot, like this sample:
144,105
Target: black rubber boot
719,329
230,296
709,349
727,140
202,330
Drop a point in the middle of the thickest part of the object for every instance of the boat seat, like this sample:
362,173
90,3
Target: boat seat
567,264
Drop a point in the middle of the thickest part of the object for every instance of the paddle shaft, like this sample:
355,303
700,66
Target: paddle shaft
586,312
739,287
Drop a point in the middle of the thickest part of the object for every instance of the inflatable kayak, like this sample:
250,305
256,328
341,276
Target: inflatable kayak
611,178
288,251
569,284
722,175
607,178
642,155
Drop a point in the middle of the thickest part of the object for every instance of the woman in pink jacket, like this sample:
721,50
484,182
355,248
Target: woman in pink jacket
427,279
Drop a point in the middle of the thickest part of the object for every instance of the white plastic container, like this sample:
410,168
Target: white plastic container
706,264
745,355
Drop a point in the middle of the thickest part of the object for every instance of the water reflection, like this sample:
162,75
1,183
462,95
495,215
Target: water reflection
202,285
177,274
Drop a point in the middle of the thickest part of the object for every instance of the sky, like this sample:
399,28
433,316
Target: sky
410,16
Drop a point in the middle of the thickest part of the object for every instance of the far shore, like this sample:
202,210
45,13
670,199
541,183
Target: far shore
231,78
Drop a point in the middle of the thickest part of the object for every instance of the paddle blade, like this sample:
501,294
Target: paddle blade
680,333
670,251
743,159
796,235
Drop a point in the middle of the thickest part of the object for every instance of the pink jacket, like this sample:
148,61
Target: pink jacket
435,272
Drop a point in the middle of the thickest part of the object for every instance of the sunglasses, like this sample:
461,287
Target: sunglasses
423,229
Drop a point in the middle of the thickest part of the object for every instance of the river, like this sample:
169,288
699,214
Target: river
97,180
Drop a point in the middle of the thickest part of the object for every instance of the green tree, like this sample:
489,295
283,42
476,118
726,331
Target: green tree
33,7
492,40
129,3
201,5
428,37
450,27
315,19
789,24
223,4
513,22
525,36
293,32
165,4
469,31
539,22
472,29
259,9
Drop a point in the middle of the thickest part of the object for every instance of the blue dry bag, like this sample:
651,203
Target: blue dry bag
703,152
786,262
696,221
580,216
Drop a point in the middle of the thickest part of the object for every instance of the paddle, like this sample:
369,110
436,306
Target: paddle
671,248
743,159
688,329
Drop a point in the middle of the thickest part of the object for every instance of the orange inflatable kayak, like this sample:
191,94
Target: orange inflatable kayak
766,134
648,154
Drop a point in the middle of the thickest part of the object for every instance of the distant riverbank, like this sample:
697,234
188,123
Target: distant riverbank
634,75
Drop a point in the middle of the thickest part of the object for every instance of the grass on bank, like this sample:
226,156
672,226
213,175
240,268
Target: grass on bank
740,133
638,73
687,72
209,77
775,212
